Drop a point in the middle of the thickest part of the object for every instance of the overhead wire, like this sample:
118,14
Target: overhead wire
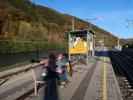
129,23
117,19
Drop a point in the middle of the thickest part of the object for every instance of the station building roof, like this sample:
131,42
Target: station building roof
81,32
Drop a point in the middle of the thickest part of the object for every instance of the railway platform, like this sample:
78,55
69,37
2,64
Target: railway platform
96,81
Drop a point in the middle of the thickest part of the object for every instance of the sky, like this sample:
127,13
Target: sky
112,15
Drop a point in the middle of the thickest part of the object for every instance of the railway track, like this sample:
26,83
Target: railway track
32,66
29,89
17,72
123,68
128,52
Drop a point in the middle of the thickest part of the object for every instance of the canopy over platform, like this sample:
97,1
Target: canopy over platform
81,32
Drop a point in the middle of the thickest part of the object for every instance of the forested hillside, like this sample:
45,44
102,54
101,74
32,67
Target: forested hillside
22,20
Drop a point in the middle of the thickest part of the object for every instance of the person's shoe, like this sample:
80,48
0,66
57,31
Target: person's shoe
67,82
61,86
63,83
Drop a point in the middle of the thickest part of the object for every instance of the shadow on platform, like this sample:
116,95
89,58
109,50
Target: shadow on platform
51,91
101,54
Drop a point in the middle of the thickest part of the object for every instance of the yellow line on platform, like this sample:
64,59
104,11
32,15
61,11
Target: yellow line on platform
104,81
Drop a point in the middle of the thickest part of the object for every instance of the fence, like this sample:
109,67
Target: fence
7,46
12,52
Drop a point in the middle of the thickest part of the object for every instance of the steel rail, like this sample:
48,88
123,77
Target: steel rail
123,69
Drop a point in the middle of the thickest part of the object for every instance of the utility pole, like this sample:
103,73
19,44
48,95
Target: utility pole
37,52
73,28
118,41
90,26
72,23
103,40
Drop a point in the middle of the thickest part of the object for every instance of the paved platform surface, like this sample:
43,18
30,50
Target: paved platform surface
94,82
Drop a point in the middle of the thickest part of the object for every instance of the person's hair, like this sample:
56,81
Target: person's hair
52,56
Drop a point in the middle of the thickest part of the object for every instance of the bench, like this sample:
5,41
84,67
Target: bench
38,79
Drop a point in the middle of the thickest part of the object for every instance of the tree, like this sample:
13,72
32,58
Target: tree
24,28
